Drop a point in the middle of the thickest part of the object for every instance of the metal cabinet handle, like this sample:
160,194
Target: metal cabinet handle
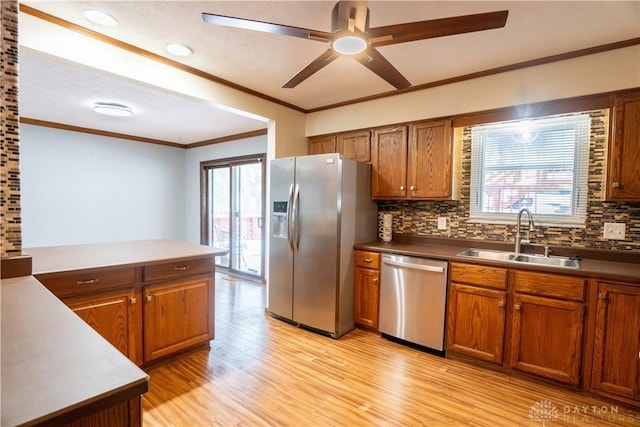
375,280
132,300
517,307
402,188
412,188
602,296
367,260
616,185
185,268
87,282
148,298
500,303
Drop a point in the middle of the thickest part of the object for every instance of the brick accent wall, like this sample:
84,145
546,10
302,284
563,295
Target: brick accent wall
420,217
11,227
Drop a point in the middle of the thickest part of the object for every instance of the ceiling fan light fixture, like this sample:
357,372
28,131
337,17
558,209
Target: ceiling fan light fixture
351,44
112,109
100,18
178,49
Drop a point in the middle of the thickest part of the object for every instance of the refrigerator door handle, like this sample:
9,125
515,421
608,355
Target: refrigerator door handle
290,218
294,219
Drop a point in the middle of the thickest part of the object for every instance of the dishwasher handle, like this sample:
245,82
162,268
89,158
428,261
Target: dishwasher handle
431,268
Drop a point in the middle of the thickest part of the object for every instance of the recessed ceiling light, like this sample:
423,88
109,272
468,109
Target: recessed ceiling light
112,109
101,18
178,49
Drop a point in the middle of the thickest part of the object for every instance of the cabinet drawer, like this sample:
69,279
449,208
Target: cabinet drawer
177,268
368,259
480,275
79,282
550,285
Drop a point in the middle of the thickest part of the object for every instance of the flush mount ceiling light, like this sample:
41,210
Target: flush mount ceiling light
100,18
350,44
178,49
112,109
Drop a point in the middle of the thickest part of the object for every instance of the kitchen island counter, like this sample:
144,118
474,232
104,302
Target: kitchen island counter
55,259
54,365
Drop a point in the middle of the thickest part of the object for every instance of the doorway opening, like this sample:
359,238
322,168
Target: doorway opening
232,212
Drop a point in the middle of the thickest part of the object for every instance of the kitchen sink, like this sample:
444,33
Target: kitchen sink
553,261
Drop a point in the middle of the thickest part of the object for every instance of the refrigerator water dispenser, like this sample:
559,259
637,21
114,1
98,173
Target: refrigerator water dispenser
280,220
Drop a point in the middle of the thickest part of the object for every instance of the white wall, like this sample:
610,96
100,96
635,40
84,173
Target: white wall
79,188
592,74
243,147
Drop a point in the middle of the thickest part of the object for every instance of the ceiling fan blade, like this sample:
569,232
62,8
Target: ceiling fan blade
373,60
266,27
325,59
400,33
350,16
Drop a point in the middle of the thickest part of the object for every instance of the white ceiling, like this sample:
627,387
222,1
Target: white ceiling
55,90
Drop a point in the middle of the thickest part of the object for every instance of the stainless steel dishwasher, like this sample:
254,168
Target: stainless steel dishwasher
413,294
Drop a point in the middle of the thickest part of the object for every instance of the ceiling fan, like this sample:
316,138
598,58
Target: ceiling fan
350,35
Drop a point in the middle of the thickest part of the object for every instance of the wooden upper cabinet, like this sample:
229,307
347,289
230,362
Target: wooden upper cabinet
355,145
322,144
623,174
431,160
389,163
418,166
616,346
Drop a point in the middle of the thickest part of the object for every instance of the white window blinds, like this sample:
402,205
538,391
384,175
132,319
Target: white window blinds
541,164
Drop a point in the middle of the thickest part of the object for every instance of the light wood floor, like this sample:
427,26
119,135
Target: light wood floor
262,371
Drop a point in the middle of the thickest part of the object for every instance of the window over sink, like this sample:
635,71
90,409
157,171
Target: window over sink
540,163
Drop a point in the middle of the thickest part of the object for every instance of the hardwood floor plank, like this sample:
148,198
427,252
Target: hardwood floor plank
261,371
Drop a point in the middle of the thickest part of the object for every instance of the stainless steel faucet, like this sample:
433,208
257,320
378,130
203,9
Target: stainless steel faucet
519,240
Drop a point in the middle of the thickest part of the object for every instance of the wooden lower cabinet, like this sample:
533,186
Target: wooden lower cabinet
616,349
476,311
476,322
547,337
177,315
112,315
548,318
366,289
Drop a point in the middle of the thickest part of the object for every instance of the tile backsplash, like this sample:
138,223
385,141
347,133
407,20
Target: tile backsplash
420,218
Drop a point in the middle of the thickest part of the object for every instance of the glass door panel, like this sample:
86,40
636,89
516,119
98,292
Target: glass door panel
220,212
247,218
233,199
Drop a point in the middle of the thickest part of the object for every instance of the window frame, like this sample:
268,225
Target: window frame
580,189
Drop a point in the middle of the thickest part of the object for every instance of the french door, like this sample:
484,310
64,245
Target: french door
232,206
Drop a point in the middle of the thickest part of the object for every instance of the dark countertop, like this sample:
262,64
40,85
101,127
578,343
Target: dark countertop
628,271
54,363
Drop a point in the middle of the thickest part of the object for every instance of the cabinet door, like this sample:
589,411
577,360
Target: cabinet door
112,315
177,315
623,175
617,341
355,145
322,144
430,160
389,163
366,295
547,337
475,322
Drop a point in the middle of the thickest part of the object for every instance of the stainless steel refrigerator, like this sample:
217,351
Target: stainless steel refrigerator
320,207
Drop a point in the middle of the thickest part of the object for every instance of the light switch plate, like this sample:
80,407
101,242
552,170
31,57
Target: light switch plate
614,231
442,223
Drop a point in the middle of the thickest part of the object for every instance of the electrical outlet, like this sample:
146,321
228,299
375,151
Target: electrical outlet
442,223
614,231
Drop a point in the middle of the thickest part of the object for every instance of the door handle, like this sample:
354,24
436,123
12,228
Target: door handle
415,266
294,218
290,217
